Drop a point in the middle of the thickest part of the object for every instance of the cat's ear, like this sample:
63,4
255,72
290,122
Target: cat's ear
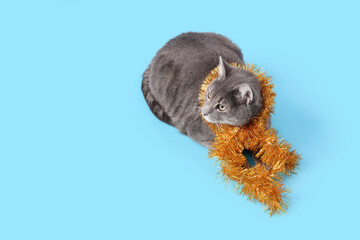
245,94
224,68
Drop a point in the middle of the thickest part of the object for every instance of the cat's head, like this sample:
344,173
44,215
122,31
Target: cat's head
233,98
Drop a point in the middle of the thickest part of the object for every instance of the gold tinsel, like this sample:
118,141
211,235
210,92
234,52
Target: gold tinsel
262,182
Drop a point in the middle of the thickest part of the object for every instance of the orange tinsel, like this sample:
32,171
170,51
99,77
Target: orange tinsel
263,181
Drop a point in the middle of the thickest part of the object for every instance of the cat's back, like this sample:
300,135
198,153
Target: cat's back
175,74
194,50
195,43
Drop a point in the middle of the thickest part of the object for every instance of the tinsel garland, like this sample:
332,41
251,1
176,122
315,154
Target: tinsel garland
262,182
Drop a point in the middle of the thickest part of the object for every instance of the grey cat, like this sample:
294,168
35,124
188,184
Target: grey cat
172,82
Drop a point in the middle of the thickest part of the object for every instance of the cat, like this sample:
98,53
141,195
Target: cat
172,81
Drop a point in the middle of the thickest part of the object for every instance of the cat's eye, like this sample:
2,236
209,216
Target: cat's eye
221,107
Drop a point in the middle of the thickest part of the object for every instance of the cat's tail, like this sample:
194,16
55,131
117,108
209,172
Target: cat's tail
154,106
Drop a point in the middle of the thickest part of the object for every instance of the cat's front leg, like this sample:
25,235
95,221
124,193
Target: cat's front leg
201,133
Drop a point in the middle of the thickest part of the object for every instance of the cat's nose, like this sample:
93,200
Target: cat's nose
205,114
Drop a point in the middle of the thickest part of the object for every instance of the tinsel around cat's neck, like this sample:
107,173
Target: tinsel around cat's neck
259,123
261,182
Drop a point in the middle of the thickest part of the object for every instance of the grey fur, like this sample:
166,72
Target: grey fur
172,81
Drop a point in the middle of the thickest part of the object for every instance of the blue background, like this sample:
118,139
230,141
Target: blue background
82,156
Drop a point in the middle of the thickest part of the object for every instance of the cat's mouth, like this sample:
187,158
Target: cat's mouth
241,121
207,118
